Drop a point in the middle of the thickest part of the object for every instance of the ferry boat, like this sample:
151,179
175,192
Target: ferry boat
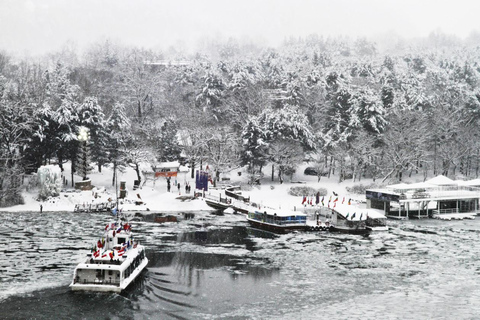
344,224
277,221
115,262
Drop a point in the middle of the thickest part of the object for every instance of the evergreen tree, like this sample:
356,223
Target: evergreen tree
169,142
119,135
91,116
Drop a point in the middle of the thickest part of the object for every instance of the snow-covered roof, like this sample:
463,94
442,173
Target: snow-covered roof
470,183
398,186
171,164
359,212
281,213
441,181
418,185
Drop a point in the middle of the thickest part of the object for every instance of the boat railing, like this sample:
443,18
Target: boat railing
218,198
452,210
98,281
236,194
94,207
279,221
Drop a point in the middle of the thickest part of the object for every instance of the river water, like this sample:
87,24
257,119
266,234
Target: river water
216,267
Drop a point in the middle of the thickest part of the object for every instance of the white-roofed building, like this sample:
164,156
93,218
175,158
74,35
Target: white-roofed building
436,197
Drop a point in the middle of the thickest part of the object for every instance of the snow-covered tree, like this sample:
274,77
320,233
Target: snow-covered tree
369,110
169,147
119,134
50,181
91,116
211,95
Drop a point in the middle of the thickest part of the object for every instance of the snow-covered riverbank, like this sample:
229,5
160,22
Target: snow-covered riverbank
156,197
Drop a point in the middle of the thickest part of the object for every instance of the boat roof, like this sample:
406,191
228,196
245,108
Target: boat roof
281,213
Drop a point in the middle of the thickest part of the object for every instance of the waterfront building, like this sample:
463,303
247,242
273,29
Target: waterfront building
439,197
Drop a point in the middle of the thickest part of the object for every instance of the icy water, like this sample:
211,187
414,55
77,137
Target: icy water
216,267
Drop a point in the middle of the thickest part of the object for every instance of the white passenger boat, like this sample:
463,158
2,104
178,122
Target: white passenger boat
115,262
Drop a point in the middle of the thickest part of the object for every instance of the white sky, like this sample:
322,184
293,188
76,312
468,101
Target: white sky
39,26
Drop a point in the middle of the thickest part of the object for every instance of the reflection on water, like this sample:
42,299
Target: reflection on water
214,266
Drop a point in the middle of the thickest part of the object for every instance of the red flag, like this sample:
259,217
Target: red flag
304,199
111,254
336,199
343,200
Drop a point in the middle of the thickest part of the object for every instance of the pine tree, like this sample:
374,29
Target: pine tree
91,116
169,143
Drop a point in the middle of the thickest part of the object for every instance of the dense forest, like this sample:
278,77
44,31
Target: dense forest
343,104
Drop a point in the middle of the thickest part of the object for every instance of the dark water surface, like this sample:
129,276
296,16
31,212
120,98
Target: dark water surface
216,267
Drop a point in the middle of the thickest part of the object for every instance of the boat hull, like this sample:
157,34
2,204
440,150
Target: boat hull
276,228
377,228
350,230
217,205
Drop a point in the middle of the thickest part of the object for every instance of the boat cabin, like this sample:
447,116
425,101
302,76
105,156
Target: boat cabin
279,218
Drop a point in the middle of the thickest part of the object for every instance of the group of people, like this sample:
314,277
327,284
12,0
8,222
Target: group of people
188,188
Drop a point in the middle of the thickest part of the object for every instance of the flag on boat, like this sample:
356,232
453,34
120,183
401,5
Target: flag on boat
343,200
104,255
334,204
304,199
361,215
336,199
353,216
119,229
323,203
317,199
111,254
346,217
349,201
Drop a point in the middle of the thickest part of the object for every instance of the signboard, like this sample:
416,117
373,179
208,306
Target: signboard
380,196
166,174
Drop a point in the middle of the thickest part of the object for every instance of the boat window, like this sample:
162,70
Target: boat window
121,240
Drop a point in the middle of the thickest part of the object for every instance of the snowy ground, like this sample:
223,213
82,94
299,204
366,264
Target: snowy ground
156,197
